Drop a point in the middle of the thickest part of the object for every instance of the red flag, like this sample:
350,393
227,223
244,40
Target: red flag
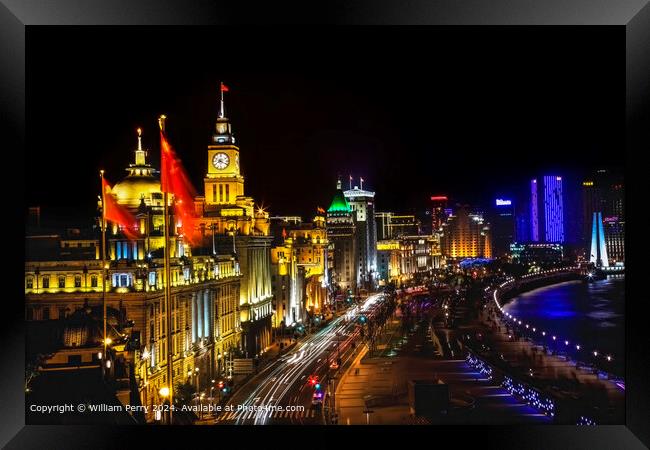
116,213
224,88
174,180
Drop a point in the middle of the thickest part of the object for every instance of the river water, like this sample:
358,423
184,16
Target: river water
589,314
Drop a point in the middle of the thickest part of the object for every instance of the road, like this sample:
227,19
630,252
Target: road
282,393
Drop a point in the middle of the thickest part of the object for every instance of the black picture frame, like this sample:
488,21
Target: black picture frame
17,15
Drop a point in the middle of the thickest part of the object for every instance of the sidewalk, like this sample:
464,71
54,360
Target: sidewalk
382,384
553,373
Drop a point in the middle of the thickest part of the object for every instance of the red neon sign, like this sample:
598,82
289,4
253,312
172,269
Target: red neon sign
438,198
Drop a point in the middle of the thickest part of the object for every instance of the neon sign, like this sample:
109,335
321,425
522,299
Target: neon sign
502,202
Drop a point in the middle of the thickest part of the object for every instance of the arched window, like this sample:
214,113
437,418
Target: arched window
61,281
77,281
93,280
30,283
46,281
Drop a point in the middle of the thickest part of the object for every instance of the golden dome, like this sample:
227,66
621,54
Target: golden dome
133,187
141,181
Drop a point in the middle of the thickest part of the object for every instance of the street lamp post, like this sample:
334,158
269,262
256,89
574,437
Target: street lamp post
164,393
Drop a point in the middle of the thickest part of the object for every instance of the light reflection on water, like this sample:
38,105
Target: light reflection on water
589,314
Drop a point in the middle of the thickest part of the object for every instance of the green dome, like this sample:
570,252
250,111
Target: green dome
339,203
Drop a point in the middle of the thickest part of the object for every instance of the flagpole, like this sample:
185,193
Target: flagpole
168,290
221,90
101,175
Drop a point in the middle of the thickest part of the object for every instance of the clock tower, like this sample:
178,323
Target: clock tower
223,183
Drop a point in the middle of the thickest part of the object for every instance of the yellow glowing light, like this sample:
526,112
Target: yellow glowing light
109,341
164,391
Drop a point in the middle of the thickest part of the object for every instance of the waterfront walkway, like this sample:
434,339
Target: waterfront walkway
552,373
380,385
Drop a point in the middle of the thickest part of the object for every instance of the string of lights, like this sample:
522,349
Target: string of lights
517,389
530,395
586,421
536,331
481,366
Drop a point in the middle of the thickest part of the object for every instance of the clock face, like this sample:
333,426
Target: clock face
220,161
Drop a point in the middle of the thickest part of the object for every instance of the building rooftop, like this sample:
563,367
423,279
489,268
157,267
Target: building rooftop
339,203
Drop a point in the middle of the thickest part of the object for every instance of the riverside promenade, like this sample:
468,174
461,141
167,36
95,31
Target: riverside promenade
373,391
599,398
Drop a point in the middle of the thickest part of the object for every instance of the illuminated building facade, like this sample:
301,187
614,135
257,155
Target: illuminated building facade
401,259
603,192
438,214
502,221
361,202
298,269
231,224
341,236
540,255
466,235
390,225
63,280
388,261
419,255
383,221
547,221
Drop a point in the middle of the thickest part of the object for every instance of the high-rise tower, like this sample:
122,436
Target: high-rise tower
341,235
361,202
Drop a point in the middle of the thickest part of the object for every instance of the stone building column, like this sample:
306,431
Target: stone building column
194,319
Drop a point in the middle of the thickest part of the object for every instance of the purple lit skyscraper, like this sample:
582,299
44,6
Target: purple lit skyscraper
534,215
553,210
547,210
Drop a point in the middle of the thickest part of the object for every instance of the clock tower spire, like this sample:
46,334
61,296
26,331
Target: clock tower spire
223,183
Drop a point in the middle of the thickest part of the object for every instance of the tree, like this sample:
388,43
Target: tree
32,369
184,392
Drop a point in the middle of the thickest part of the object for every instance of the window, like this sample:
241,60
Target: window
152,278
46,282
61,313
74,359
93,281
46,313
227,193
30,282
77,281
214,193
62,281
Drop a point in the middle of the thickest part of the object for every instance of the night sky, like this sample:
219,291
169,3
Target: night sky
467,112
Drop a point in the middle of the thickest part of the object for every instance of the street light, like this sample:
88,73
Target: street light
164,393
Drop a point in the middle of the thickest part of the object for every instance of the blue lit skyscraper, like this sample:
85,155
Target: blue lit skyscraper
534,212
547,210
553,210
